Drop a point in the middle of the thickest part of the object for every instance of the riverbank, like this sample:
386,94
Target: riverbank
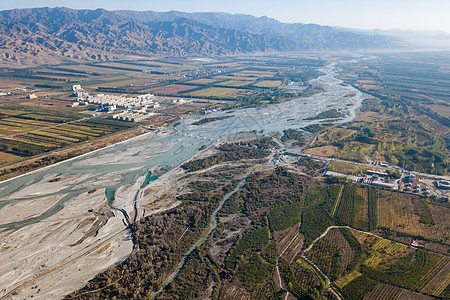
37,162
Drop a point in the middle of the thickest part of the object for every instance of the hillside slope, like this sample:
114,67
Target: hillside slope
44,35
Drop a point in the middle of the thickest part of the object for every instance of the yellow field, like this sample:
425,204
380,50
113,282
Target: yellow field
12,112
123,81
28,142
374,259
401,212
326,151
346,279
203,81
389,247
78,129
7,157
268,83
61,132
237,83
220,92
8,128
383,248
236,77
58,135
258,74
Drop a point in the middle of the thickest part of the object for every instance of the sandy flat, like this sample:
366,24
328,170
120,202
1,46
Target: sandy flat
44,186
25,209
46,254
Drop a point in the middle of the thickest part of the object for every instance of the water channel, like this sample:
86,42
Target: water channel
121,165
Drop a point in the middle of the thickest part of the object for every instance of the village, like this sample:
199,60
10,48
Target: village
380,174
129,109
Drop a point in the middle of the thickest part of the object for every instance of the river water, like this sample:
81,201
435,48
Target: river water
133,159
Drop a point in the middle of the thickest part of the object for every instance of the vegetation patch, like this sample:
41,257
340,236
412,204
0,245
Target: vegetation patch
285,216
329,114
228,152
211,119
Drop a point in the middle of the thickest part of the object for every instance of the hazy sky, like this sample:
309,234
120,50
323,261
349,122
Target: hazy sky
366,14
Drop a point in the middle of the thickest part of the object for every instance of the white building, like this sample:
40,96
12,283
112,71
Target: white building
82,95
76,88
121,101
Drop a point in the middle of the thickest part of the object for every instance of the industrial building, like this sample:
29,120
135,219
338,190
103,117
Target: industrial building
383,184
379,173
443,184
131,116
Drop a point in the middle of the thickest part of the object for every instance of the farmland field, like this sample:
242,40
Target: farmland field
258,74
268,83
173,89
352,208
203,81
333,254
413,215
306,276
397,268
220,92
437,279
29,133
236,83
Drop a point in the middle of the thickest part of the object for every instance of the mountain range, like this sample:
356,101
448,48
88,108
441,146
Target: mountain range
47,35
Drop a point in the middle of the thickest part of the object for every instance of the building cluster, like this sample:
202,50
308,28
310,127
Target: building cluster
409,179
136,107
131,116
111,102
203,72
177,101
81,95
121,101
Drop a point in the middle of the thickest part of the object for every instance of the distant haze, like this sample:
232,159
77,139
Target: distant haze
364,14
